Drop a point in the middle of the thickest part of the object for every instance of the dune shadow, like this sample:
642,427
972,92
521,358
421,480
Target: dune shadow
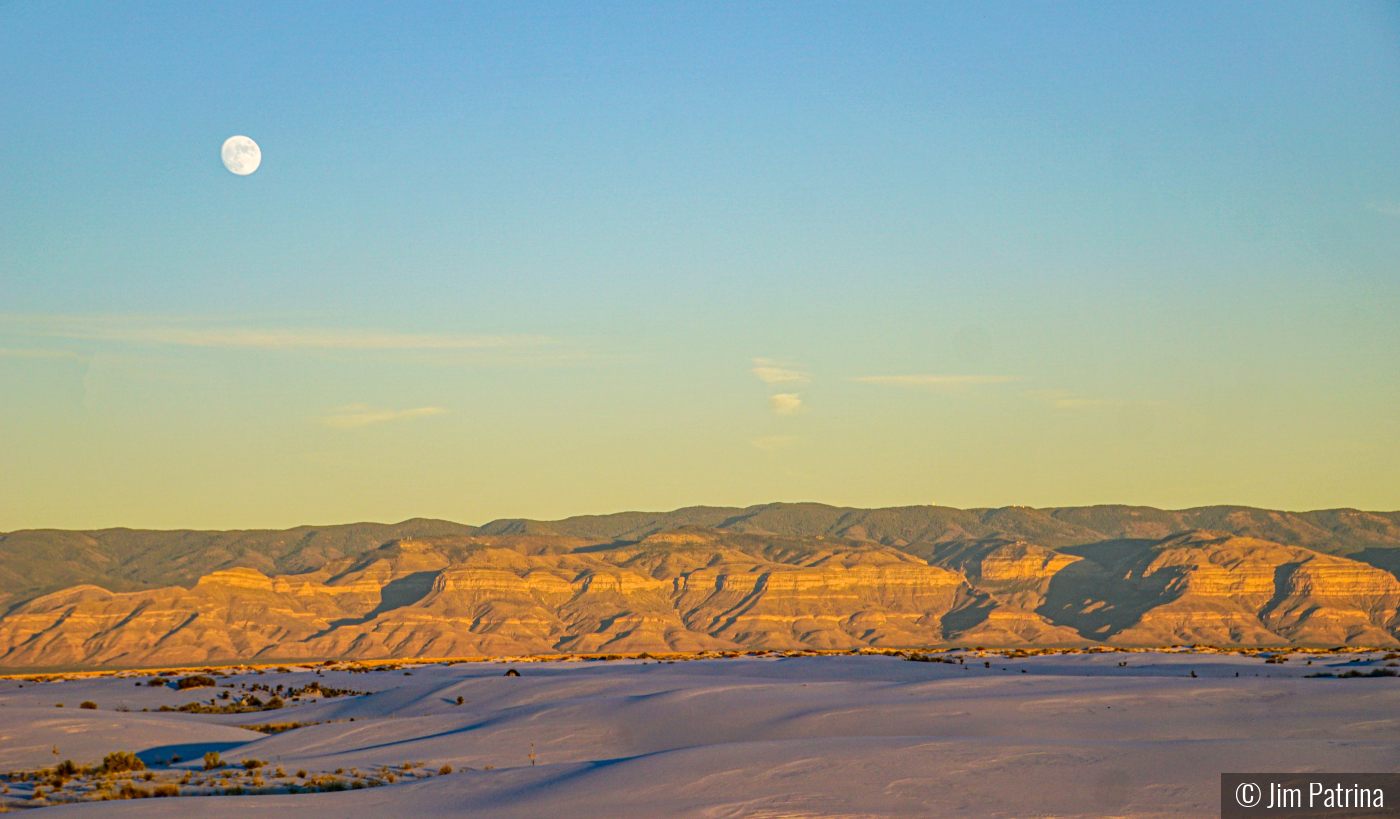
187,751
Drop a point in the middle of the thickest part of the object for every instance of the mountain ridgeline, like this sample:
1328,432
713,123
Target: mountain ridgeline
776,576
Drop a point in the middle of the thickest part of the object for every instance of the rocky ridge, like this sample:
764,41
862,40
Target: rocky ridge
700,587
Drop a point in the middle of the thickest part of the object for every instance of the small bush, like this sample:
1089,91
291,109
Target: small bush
58,705
89,705
156,682
196,681
122,761
301,773
444,770
130,791
253,764
460,700
274,703
1375,672
166,789
212,760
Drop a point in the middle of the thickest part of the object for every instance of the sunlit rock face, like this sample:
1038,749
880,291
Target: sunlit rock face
699,588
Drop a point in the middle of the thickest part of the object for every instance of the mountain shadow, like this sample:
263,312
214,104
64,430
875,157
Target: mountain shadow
1098,596
396,594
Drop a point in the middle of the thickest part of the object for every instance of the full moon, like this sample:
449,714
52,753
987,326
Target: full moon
241,155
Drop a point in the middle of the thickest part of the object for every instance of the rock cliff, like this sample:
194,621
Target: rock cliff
697,588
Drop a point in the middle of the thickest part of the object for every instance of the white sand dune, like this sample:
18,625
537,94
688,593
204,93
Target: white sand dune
28,736
1075,735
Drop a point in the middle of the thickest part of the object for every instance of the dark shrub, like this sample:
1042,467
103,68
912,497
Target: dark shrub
196,681
89,705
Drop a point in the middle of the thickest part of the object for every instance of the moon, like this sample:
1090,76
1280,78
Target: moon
241,155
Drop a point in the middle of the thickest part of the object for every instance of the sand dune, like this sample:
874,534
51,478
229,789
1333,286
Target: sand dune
1075,735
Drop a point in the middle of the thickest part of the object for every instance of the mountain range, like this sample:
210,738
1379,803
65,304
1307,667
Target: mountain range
776,576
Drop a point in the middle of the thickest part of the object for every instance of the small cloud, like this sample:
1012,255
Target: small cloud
786,403
776,372
1063,399
355,416
773,443
10,352
933,380
1388,208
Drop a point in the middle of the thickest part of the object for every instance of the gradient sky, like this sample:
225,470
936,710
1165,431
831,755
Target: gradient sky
505,260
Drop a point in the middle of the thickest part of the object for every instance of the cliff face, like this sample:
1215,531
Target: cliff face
39,561
702,588
1203,587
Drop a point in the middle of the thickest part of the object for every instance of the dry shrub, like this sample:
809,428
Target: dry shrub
130,791
122,761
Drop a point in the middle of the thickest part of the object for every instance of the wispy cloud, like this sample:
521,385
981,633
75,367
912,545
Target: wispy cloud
361,415
1063,399
11,352
777,372
193,333
773,443
786,403
933,380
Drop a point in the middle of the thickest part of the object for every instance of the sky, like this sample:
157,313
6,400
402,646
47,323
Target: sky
536,260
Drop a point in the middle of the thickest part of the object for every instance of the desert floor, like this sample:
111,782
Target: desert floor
776,736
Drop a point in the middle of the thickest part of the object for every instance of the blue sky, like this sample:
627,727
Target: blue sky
556,259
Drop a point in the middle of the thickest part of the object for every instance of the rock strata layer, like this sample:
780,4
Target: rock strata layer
698,588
